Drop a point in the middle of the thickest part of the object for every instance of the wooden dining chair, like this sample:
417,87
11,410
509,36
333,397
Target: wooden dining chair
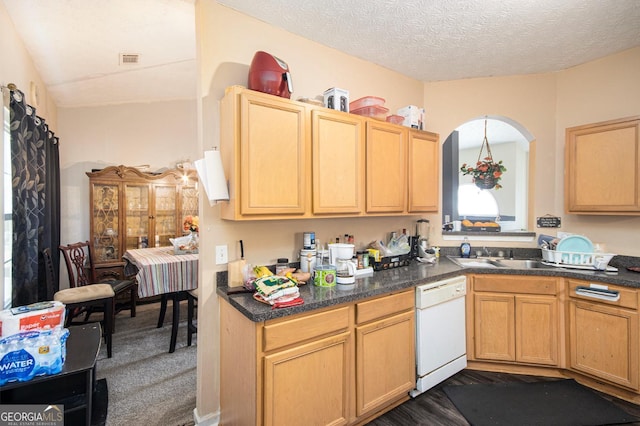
82,299
192,299
80,267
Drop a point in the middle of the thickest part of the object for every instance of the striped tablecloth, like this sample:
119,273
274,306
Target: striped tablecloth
159,271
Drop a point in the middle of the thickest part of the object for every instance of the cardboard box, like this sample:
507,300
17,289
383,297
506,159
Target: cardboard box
413,116
37,316
337,99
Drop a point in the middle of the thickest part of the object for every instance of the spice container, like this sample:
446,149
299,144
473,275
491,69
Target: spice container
283,264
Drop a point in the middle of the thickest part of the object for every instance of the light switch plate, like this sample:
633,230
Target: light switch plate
222,255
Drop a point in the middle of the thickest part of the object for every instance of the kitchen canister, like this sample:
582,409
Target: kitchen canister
325,276
307,260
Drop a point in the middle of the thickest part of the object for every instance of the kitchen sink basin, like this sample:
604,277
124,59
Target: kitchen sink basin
476,262
486,262
523,263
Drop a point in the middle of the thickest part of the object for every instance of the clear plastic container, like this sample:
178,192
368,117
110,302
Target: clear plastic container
365,102
374,111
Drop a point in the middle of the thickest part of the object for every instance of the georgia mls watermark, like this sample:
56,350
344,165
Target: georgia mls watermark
31,415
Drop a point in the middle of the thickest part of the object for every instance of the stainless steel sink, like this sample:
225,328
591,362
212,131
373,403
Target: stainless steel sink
486,262
476,262
523,263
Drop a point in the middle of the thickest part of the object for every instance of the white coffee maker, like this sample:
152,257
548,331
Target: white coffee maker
341,256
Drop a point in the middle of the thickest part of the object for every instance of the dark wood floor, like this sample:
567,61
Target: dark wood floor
434,408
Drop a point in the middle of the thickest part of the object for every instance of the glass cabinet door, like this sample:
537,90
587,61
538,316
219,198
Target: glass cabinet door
105,222
137,216
166,219
188,203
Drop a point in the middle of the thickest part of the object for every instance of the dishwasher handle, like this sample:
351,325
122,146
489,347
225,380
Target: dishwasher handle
598,293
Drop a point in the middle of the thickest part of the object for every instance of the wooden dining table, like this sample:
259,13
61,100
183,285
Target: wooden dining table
161,272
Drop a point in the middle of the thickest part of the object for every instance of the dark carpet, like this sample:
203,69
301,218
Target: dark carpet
558,403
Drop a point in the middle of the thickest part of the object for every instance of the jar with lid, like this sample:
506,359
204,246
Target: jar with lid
283,264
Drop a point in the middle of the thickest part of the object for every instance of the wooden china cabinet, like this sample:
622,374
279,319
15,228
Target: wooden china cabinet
133,209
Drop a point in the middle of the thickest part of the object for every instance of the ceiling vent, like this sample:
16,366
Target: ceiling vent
129,58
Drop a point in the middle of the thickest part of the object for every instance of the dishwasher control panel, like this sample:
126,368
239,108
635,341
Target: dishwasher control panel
440,291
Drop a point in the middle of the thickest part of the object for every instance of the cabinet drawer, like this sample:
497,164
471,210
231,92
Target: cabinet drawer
283,333
628,297
384,306
515,284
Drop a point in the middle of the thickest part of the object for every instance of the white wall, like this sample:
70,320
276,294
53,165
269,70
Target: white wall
158,134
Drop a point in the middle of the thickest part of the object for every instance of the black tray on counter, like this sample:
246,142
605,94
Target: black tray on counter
389,262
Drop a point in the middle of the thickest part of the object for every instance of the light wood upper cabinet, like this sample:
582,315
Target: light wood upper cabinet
603,168
287,159
338,162
423,172
386,167
264,143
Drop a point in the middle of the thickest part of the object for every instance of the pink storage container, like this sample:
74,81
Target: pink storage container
373,111
395,119
365,102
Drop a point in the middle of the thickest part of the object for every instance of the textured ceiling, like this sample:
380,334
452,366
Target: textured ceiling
75,44
433,40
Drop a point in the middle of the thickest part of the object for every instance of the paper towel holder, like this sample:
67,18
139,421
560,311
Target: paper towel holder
211,174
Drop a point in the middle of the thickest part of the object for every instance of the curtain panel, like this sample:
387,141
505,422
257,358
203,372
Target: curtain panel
35,168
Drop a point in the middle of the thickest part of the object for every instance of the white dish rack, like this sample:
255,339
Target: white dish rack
577,259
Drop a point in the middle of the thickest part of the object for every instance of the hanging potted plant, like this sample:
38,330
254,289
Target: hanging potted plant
487,173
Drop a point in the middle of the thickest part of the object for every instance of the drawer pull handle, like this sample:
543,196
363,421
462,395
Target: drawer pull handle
596,293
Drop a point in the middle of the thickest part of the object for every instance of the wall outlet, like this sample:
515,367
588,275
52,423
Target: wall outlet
222,255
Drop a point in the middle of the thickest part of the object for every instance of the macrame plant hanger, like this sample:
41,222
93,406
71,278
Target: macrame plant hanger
485,142
488,182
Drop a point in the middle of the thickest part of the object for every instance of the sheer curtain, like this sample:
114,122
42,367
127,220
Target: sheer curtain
35,169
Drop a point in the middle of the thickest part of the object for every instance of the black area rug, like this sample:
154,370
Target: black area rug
558,403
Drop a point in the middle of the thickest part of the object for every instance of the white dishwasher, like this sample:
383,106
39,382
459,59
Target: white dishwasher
440,332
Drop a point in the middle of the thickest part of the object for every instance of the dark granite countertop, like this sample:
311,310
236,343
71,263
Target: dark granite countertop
392,280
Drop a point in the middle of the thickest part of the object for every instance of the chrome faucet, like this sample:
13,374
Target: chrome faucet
486,252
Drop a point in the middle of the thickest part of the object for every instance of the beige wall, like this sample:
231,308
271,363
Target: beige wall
545,105
601,90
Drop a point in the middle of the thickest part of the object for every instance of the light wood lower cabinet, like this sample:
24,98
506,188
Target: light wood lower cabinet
308,384
603,337
385,352
509,326
335,366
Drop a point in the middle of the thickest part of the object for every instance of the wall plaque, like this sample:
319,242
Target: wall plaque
548,222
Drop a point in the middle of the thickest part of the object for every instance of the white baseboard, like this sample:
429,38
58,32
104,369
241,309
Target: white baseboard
211,419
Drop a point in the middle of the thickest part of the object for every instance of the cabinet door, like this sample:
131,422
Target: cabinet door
537,330
272,156
105,230
494,327
137,199
424,172
338,162
308,384
603,342
385,361
386,167
602,173
165,222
